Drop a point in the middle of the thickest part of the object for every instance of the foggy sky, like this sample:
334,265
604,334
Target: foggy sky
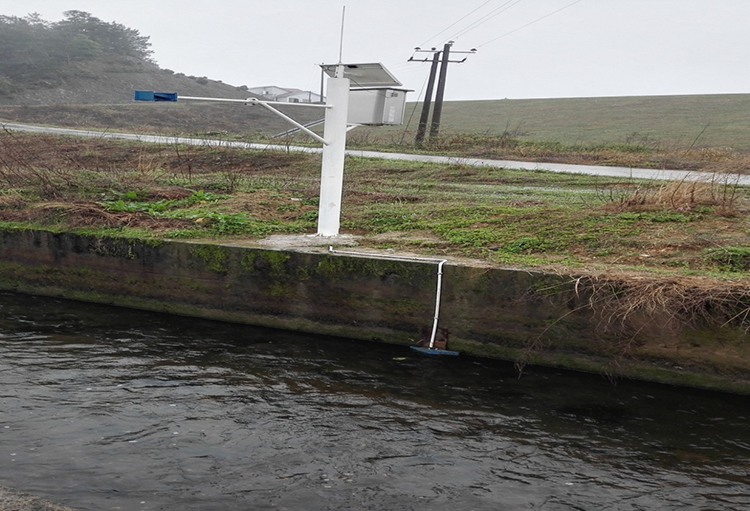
591,48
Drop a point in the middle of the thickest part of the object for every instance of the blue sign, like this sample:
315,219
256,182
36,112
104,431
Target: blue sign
149,95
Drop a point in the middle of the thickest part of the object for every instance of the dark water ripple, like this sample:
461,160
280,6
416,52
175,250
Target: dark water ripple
108,409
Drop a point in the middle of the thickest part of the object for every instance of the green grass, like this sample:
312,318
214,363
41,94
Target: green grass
646,121
530,218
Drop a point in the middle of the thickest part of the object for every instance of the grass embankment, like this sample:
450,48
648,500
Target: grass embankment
675,252
670,122
531,219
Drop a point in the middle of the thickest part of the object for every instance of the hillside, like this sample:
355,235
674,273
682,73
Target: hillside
718,120
100,95
112,80
84,60
673,123
666,122
82,71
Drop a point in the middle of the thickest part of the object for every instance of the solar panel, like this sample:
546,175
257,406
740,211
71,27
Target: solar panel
364,75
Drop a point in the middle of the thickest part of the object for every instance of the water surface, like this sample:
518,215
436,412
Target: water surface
104,408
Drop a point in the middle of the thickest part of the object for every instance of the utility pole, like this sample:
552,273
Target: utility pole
427,100
438,108
437,111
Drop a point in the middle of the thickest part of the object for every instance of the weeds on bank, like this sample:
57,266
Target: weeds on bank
650,316
529,218
722,193
87,182
627,306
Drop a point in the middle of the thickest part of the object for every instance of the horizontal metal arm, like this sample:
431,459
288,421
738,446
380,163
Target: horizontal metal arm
267,105
255,101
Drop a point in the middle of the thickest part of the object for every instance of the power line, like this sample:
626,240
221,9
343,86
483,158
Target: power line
487,17
531,23
455,23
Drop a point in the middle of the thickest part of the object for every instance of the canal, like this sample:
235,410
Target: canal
104,408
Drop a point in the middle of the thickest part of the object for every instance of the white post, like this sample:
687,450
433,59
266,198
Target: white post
332,168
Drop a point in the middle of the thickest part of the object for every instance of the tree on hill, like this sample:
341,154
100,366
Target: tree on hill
112,38
36,53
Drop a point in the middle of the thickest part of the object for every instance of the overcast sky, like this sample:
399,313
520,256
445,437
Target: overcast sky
525,48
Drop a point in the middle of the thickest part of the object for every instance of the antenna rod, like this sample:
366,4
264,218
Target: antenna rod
341,42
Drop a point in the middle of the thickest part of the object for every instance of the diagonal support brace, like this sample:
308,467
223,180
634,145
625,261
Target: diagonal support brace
290,120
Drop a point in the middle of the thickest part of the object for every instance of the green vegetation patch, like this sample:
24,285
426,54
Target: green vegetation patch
531,218
730,259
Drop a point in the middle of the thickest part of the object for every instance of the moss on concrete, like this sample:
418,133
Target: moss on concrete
530,318
215,257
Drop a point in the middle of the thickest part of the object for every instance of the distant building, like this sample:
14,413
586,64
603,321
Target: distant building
284,95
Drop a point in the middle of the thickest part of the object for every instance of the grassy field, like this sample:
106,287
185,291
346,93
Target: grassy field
539,220
709,133
677,122
664,122
530,219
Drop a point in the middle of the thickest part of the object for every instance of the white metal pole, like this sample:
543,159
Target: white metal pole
332,167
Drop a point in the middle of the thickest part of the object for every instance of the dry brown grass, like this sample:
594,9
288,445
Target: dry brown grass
627,304
721,192
641,316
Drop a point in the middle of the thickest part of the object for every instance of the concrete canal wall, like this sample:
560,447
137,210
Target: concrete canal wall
522,316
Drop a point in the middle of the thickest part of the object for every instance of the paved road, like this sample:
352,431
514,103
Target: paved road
624,172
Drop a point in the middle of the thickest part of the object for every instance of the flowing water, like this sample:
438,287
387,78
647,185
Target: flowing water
104,408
